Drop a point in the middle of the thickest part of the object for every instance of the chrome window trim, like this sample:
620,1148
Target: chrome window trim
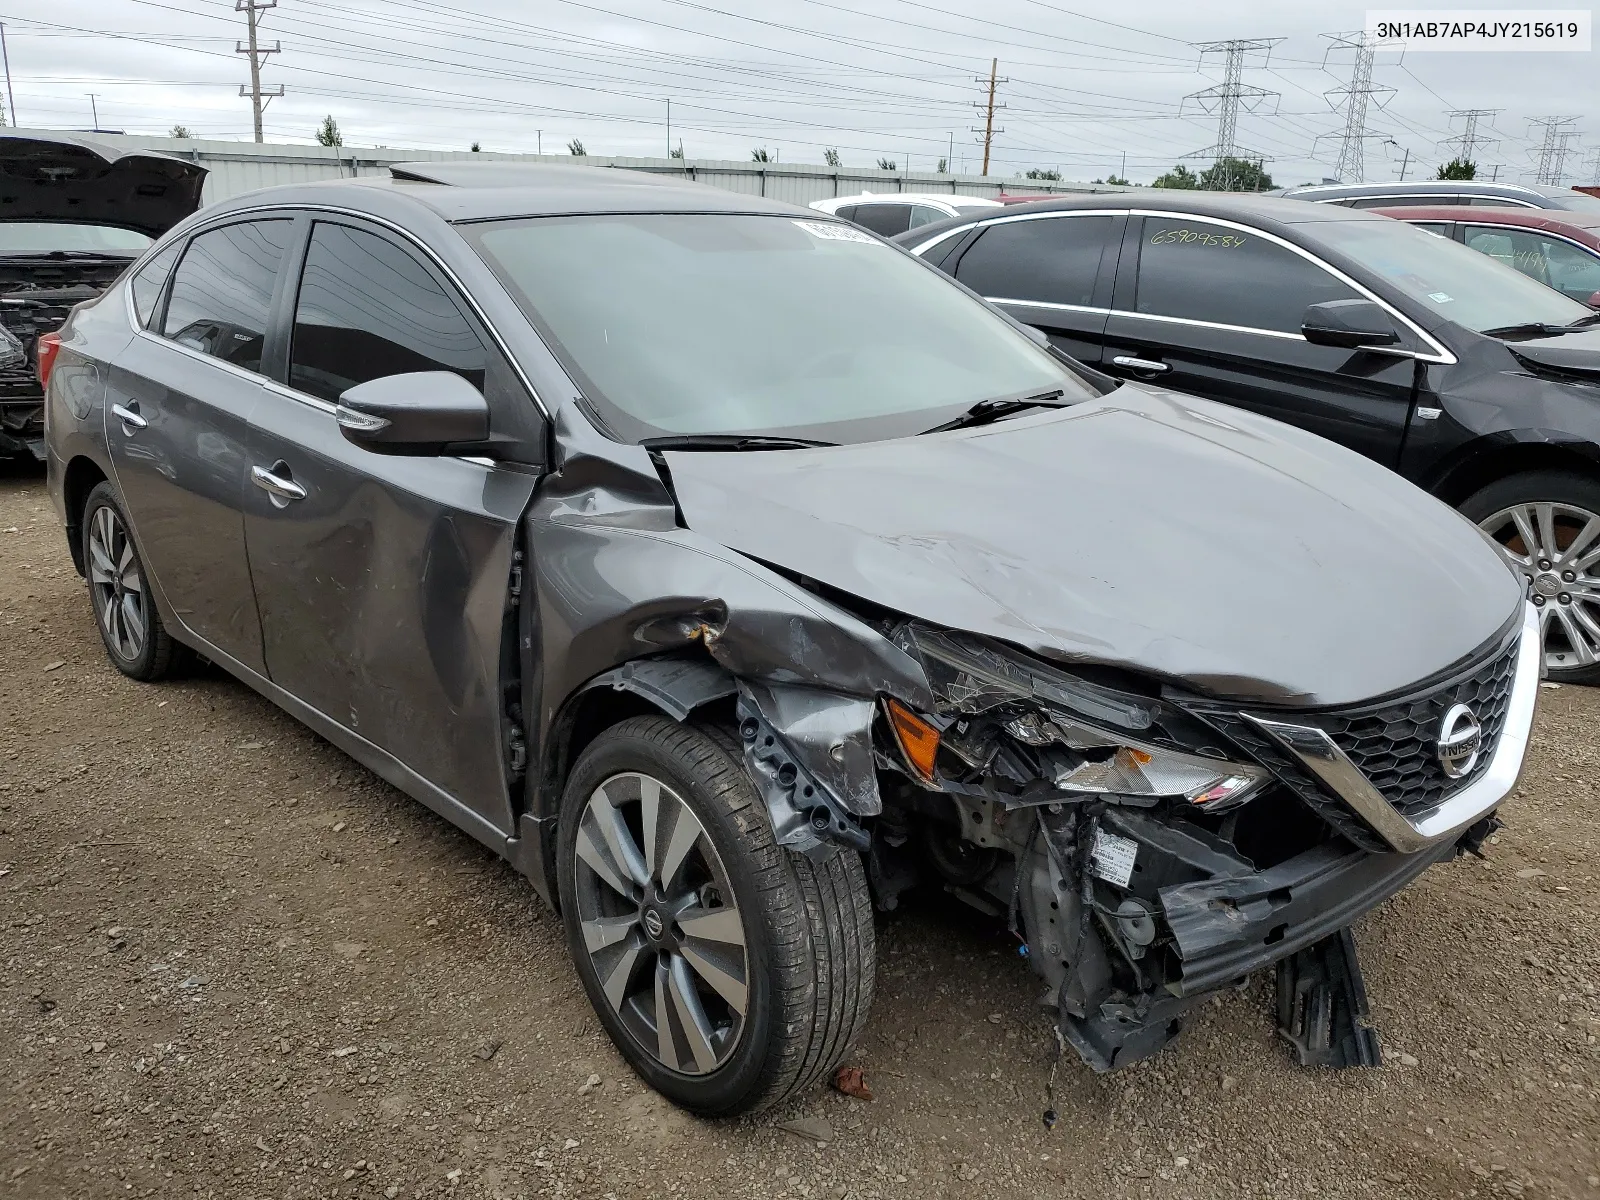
1409,834
1082,308
238,214
1326,187
1440,353
201,356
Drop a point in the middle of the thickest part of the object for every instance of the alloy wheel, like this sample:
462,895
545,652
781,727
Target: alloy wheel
660,923
118,585
1556,548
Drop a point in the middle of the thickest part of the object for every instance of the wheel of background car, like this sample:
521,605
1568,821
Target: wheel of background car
125,613
729,972
1547,525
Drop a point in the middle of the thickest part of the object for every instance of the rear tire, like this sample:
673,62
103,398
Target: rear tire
1560,512
807,952
136,641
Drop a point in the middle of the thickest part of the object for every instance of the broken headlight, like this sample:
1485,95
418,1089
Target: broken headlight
1069,734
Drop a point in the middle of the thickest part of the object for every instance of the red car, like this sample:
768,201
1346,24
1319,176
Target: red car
1560,248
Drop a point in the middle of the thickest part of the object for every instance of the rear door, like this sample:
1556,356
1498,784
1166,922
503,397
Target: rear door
1214,309
178,412
1052,271
383,580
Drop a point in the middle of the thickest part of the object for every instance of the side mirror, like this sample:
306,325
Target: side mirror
1351,324
419,413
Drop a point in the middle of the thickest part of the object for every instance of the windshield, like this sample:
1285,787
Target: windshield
689,323
43,237
1447,278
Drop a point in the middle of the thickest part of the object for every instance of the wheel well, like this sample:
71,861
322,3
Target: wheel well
1477,472
82,476
589,715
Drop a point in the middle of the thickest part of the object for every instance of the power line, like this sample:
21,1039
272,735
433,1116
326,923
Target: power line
1357,96
1228,98
1558,138
258,55
1467,142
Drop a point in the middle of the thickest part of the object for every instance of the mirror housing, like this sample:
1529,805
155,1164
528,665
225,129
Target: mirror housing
418,413
1350,324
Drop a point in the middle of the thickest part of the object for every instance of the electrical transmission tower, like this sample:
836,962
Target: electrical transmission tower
1355,98
258,54
1558,138
987,107
1465,145
1230,97
1592,167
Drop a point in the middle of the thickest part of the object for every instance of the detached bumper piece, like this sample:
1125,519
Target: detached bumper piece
1322,1006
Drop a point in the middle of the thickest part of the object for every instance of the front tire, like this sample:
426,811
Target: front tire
1547,525
124,611
676,901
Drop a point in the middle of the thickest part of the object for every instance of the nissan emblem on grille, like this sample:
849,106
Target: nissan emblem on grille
1460,739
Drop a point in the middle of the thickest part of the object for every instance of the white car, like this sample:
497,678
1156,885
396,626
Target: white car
890,213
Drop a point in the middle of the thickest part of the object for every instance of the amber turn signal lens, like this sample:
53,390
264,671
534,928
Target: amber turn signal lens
919,741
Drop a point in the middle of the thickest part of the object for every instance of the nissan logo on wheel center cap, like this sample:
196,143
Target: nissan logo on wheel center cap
655,926
1460,740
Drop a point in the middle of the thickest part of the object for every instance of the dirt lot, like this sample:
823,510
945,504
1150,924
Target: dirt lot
236,964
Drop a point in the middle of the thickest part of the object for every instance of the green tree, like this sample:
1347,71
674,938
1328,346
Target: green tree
1235,175
831,157
1042,173
180,131
760,155
678,153
1458,168
943,168
1179,177
328,132
475,147
886,164
575,148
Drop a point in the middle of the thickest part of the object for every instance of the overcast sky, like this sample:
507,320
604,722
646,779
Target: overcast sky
873,78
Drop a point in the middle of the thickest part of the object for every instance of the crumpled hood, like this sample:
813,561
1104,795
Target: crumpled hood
90,182
1146,530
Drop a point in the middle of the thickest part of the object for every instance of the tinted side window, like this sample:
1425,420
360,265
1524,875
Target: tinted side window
1053,260
368,308
1209,272
886,220
222,291
1412,201
1437,228
846,213
149,280
926,214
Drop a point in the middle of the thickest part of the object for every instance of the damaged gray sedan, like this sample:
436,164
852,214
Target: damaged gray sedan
730,572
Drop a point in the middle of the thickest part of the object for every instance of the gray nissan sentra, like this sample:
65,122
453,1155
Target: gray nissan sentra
730,572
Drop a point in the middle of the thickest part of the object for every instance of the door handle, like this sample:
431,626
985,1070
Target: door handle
281,490
1140,364
130,418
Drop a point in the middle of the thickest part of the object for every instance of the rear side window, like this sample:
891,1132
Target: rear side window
1412,201
1203,272
1052,260
367,309
1437,228
148,281
926,214
886,220
846,212
222,291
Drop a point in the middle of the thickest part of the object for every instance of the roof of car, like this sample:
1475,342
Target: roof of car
1409,186
1558,220
485,191
1267,210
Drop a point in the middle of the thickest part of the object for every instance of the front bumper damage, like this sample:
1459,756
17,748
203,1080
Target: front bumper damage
1133,910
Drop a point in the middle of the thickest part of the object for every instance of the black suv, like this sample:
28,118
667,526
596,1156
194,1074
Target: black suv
1470,379
74,212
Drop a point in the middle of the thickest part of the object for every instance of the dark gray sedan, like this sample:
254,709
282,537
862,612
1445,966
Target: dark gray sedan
729,571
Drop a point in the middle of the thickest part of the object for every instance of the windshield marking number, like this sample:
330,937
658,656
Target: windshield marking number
836,233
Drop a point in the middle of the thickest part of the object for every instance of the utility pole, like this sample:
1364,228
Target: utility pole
1355,98
1558,138
538,141
95,109
258,53
669,127
10,99
988,108
1406,161
1228,98
1465,145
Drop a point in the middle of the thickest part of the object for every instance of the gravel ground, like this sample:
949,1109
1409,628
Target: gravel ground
237,964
